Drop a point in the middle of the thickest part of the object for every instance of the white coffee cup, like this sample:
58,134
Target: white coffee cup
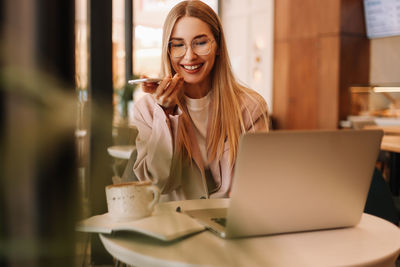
132,200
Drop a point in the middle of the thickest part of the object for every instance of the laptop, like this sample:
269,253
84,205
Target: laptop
291,181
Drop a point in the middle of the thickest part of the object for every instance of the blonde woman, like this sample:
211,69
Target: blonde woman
189,124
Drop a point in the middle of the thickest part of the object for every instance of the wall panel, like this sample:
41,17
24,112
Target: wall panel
320,50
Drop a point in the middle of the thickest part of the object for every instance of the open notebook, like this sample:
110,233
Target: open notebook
164,226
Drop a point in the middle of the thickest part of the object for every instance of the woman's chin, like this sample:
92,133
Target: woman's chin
191,80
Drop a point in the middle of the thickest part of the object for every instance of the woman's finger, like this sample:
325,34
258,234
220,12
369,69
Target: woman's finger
162,86
149,87
172,99
173,85
176,94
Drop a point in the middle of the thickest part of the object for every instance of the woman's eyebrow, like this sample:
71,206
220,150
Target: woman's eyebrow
176,38
181,39
200,35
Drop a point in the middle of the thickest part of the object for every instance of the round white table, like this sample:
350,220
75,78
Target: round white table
373,242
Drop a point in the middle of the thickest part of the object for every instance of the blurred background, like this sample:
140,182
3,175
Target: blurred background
64,98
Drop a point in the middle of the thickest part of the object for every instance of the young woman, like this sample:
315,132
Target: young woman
190,123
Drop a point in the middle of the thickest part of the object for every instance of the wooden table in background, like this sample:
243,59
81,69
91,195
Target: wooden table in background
391,139
391,143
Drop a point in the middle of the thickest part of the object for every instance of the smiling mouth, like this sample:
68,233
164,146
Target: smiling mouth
192,67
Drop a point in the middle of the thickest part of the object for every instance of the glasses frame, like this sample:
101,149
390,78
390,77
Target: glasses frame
191,45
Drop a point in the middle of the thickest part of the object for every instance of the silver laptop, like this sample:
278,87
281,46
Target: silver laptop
290,181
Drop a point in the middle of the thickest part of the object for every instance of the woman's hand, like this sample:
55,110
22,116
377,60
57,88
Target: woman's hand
166,92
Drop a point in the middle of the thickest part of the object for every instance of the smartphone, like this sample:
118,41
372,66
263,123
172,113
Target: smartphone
145,80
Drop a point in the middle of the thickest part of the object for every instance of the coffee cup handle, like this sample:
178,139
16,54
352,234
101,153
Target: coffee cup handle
156,194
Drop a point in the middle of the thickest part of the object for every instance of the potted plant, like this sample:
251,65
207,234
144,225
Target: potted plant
126,95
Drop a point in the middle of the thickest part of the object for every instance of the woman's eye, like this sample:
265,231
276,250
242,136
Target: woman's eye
200,43
177,45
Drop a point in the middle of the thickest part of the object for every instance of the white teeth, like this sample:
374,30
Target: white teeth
193,67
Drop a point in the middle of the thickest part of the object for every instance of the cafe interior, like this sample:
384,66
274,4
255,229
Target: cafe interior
67,109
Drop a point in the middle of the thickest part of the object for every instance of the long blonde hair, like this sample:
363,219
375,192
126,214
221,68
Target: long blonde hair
227,120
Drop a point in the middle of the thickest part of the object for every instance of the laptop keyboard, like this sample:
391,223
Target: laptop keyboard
221,221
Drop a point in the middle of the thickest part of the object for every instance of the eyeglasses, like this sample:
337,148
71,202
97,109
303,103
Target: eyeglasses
200,46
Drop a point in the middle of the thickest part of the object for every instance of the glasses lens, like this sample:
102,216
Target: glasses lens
201,46
177,48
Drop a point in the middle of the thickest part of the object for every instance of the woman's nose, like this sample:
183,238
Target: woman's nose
189,54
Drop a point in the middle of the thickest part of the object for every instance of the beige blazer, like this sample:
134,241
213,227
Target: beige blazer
157,162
